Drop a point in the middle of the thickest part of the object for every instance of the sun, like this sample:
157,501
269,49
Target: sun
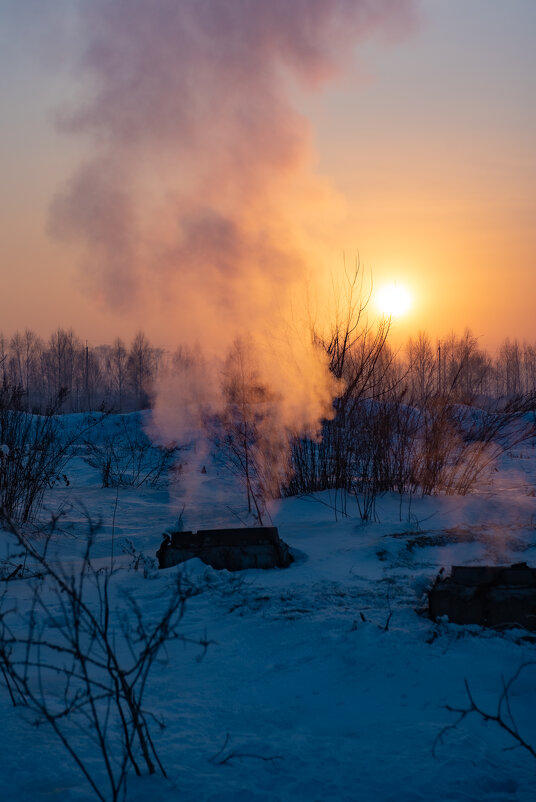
393,299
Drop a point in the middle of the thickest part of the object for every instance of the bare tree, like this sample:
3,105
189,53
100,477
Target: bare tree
422,375
141,365
359,359
25,349
510,368
465,369
101,653
3,359
246,431
64,365
529,367
117,365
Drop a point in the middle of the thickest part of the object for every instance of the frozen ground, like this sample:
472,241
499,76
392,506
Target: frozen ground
324,681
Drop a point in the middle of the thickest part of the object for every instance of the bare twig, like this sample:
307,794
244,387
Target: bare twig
222,759
503,717
104,657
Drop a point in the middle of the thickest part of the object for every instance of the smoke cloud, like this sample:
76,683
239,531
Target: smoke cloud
200,195
200,206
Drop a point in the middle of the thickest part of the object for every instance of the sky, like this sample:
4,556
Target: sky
194,169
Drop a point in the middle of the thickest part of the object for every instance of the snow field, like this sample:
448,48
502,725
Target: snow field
322,681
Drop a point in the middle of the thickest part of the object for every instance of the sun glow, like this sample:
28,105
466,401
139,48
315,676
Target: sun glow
393,299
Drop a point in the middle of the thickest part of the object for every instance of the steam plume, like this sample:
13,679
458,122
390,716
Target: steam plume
200,194
200,205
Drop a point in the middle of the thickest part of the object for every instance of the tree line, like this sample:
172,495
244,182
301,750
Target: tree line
118,376
457,366
121,376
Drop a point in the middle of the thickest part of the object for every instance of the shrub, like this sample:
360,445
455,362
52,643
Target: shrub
34,451
125,457
81,664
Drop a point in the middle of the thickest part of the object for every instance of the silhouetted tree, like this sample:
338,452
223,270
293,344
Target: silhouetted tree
141,366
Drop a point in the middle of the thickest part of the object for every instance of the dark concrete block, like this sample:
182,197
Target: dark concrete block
492,596
234,549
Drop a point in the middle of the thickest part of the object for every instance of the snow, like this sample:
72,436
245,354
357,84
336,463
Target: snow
324,681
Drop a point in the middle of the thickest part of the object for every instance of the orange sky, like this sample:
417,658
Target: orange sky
424,152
